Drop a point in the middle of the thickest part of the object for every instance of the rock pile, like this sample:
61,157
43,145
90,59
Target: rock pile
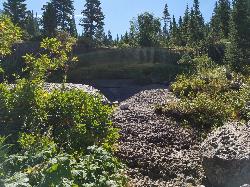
158,151
226,156
68,86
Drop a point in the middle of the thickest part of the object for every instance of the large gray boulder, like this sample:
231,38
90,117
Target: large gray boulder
226,156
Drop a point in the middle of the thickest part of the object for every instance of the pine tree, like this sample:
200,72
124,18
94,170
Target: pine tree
215,28
125,38
65,16
185,26
117,40
238,51
181,34
166,19
224,11
196,25
32,25
17,11
49,21
174,32
93,20
99,37
109,40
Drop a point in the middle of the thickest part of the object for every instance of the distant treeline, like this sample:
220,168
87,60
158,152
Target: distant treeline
228,28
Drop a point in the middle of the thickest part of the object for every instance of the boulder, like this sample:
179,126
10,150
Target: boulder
124,106
226,156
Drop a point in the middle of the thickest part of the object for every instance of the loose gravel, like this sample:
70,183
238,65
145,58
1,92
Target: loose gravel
157,151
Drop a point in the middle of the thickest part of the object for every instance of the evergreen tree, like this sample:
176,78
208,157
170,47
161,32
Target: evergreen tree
32,25
148,30
117,40
181,34
220,21
215,28
166,19
65,16
49,21
196,25
224,11
17,11
125,38
99,37
108,40
174,32
93,20
238,51
185,26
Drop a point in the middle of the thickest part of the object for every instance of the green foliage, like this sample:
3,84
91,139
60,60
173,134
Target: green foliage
40,163
220,22
32,26
56,57
237,53
166,19
49,21
209,96
201,111
74,118
146,30
17,10
58,138
9,34
22,106
196,25
64,12
93,22
205,77
79,120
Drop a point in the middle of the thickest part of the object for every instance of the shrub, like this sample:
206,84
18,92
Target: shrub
209,96
74,118
211,81
60,138
202,111
78,120
9,34
40,163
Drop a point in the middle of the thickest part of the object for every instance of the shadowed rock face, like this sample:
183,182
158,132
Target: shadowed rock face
226,156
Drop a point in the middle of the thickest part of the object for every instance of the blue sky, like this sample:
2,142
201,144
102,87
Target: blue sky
119,12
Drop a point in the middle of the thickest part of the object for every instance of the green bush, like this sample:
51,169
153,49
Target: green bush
58,138
207,81
74,118
78,120
22,107
41,163
209,96
202,111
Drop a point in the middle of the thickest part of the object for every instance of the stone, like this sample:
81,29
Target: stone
245,185
158,151
226,155
124,106
115,103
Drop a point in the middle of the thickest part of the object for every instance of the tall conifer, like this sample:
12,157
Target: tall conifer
93,20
